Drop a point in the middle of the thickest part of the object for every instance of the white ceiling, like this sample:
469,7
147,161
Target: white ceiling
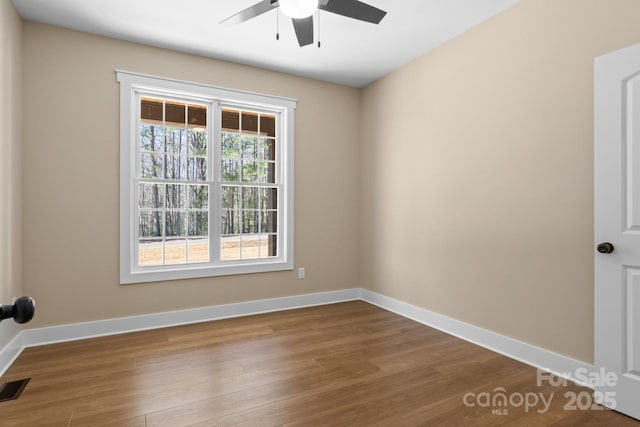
353,53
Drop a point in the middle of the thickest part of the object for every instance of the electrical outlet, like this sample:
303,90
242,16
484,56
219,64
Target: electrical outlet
301,273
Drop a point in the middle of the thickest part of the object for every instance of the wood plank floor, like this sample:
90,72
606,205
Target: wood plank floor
350,364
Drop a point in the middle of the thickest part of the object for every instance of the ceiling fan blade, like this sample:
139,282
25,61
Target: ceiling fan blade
353,9
251,12
304,30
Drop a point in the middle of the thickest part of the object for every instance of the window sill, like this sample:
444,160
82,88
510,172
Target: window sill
152,274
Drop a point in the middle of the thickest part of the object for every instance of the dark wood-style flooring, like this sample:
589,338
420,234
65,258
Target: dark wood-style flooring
349,364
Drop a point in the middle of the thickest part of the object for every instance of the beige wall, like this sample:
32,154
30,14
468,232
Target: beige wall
71,180
10,162
477,183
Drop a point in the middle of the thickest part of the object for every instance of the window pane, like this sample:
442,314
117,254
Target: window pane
151,110
199,196
268,198
230,197
230,222
249,122
231,120
175,113
176,196
198,224
151,138
197,116
268,246
151,196
267,172
175,225
150,252
268,221
249,171
250,246
268,125
197,142
249,222
198,250
250,197
230,145
249,147
230,248
197,169
175,141
151,165
175,167
150,224
267,149
231,170
175,251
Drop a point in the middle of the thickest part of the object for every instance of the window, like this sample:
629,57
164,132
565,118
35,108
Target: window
206,180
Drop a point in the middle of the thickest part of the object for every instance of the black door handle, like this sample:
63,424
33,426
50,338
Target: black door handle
605,248
21,311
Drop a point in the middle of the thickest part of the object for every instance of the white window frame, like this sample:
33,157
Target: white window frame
132,85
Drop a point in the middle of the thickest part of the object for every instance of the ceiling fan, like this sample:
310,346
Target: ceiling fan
301,13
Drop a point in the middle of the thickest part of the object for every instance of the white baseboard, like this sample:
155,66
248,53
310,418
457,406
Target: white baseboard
12,350
537,357
78,331
562,366
72,332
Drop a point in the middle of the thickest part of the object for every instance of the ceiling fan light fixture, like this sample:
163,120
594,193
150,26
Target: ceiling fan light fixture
298,9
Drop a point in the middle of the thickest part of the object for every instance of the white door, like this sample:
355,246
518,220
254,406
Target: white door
617,221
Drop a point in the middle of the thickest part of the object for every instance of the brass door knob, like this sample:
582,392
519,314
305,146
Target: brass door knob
605,248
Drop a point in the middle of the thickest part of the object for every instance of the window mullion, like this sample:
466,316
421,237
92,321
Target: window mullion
215,188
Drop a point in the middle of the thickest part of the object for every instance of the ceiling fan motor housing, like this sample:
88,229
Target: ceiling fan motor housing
298,9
